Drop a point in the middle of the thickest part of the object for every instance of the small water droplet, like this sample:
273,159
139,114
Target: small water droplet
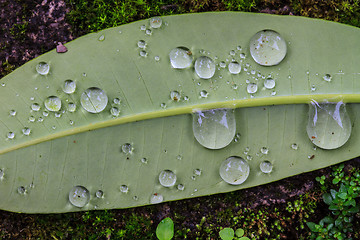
204,67
175,96
12,113
53,127
214,129
135,198
45,113
242,55
141,44
53,103
101,38
2,174
197,172
69,86
116,101
124,189
232,53
186,98
222,64
237,137
40,119
148,32
163,105
31,119
269,83
144,160
294,146
26,131
71,107
57,115
327,77
71,122
249,157
179,157
180,187
143,53
267,48
142,27
234,170
204,94
79,196
99,194
94,100
127,148
180,57
11,135
157,58
313,88
234,68
266,167
155,22
21,190
35,107
3,84
84,74
115,111
167,178
273,93
156,198
264,150
42,68
252,88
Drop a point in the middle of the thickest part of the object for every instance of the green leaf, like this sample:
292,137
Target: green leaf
354,209
312,226
165,229
239,232
328,219
244,238
342,195
333,193
333,207
226,234
118,154
327,198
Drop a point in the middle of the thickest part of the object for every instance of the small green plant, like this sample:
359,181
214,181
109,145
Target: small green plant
229,234
342,205
165,229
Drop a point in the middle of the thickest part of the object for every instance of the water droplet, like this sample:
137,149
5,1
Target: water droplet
269,83
79,196
197,172
26,131
117,101
99,194
40,119
143,53
238,48
234,170
294,146
204,94
264,150
313,88
155,22
163,105
273,93
12,113
21,190
237,137
35,107
69,86
31,119
266,167
144,160
2,174
148,32
141,44
175,96
327,77
252,88
329,124
42,68
204,67
11,135
179,157
3,84
156,198
249,157
71,107
180,57
53,127
186,98
142,27
53,103
167,178
222,64
242,55
234,68
232,53
124,189
267,48
127,148
71,122
94,100
57,115
45,113
157,58
84,74
180,187
214,129
135,198
101,38
115,111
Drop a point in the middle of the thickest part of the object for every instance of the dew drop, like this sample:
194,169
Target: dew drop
204,94
167,178
71,107
269,83
45,113
115,111
266,167
267,48
242,55
234,170
175,96
180,57
141,44
144,160
12,113
143,53
179,157
35,107
214,129
53,103
40,119
124,189
264,150
57,115
197,172
294,146
135,198
21,190
222,64
26,131
163,105
127,148
94,100
327,77
31,119
156,198
157,58
232,53
42,68
252,88
204,67
180,187
313,88
155,22
249,157
234,68
273,93
11,135
186,98
69,86
99,194
79,196
101,38
142,27
329,124
116,101
2,174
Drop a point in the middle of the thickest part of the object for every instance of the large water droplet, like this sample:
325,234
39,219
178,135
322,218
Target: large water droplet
12,113
175,96
156,198
99,194
155,22
167,178
94,100
42,68
127,148
53,103
252,88
204,67
234,170
101,38
79,196
327,77
180,57
204,94
329,124
69,86
141,44
266,167
269,83
267,48
214,128
234,67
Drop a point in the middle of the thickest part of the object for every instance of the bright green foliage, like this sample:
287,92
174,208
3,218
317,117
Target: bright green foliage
229,234
165,229
342,204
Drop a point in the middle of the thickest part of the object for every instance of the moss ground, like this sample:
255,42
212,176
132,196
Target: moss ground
274,211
